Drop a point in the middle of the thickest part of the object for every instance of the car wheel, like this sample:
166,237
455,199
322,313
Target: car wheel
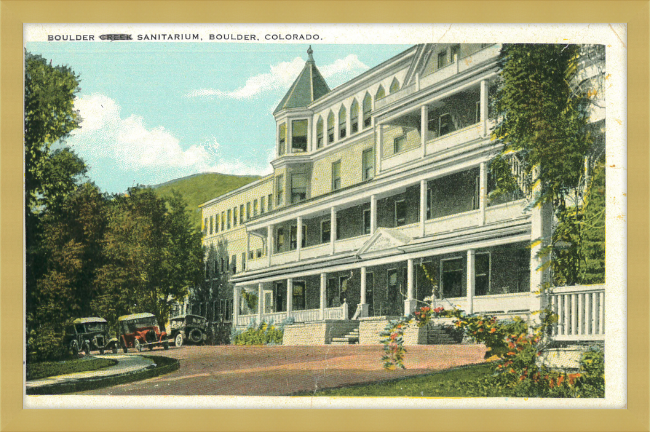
166,345
115,349
87,350
178,340
150,347
137,345
124,348
196,336
101,351
75,348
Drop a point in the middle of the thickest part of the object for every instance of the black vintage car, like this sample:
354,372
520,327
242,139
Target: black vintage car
89,334
188,328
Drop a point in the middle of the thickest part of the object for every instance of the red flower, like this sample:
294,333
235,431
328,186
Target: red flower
493,329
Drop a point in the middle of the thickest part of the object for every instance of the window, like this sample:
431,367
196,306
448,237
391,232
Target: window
254,208
229,217
251,254
241,214
248,210
398,143
234,216
262,204
270,202
319,133
394,86
367,109
368,164
442,59
233,264
294,237
298,187
210,224
452,277
400,213
279,190
332,293
455,53
279,239
259,253
354,117
482,274
476,199
366,221
330,128
429,203
381,93
223,265
325,231
477,117
446,125
243,261
342,122
223,220
282,139
336,175
298,295
299,131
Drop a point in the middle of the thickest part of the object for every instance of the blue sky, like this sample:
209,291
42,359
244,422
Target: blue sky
153,112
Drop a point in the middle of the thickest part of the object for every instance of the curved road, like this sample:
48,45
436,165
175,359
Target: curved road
284,370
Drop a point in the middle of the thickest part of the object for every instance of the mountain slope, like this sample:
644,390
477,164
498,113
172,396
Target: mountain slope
199,188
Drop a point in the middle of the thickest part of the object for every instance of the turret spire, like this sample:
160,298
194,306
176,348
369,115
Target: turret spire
310,52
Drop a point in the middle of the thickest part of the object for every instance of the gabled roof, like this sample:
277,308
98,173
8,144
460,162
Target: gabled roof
309,86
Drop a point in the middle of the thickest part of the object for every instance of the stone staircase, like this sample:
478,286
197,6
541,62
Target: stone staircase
348,339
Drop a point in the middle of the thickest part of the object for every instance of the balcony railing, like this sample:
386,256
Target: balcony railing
452,222
581,312
492,304
448,141
307,315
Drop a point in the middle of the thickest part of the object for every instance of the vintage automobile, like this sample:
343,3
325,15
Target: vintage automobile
190,328
89,334
139,331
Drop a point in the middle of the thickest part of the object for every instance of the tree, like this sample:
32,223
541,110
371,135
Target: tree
542,105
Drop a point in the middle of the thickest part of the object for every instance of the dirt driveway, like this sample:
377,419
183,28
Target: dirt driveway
284,370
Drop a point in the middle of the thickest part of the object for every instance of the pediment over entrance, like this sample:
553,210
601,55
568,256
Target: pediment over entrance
384,239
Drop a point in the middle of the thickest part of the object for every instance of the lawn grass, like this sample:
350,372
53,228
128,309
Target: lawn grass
449,383
47,369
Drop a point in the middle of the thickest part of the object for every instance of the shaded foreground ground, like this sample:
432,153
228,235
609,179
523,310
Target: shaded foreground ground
284,370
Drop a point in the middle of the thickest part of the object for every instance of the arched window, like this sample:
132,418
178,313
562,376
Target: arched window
342,122
319,133
367,109
282,139
354,117
330,128
381,93
394,86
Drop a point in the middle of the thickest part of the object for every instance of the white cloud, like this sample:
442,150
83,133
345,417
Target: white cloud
133,146
282,76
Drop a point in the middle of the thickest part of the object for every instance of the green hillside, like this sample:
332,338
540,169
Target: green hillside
199,188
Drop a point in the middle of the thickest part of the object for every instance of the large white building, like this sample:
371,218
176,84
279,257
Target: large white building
377,184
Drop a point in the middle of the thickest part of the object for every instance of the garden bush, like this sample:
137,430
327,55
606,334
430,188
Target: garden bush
46,345
264,334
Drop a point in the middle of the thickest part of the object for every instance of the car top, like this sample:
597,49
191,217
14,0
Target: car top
89,320
136,316
187,315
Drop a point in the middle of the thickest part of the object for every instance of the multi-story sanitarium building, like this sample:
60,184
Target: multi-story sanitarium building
377,184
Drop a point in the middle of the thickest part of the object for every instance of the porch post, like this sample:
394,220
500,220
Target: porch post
484,106
269,243
482,193
364,302
299,236
541,218
424,128
289,297
410,302
260,302
373,214
323,286
471,280
333,228
379,147
423,207
235,305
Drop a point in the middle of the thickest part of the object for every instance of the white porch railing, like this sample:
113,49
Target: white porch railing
307,315
505,211
452,222
581,312
492,304
350,244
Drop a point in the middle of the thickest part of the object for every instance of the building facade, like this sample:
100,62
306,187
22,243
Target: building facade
378,201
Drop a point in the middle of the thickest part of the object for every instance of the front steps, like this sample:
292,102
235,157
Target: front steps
348,339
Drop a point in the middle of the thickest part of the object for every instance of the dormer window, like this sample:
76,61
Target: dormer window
282,139
299,130
381,93
342,122
319,133
354,117
394,86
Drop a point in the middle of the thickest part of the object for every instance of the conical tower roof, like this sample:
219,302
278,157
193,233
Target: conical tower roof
309,86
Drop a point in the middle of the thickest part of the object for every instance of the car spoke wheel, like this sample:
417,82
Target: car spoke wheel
124,348
137,345
178,340
101,351
166,345
115,349
196,336
87,350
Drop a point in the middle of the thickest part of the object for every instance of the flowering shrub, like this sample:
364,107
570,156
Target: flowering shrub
263,334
